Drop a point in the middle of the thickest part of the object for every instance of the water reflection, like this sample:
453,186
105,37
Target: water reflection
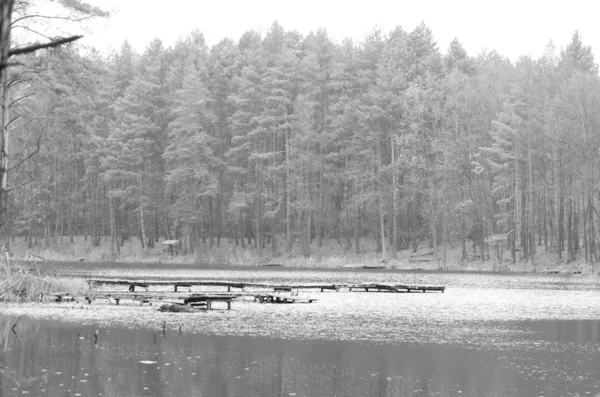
59,359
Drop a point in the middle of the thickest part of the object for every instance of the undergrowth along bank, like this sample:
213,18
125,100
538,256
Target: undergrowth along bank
330,255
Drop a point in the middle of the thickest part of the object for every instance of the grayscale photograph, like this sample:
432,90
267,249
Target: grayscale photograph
299,199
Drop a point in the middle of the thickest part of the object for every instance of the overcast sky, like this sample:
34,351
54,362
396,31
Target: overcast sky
512,27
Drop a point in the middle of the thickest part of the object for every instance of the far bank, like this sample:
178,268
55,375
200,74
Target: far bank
332,254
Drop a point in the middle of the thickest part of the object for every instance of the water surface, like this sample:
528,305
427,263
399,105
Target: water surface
487,335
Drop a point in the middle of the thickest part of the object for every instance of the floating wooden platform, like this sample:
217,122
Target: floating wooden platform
367,287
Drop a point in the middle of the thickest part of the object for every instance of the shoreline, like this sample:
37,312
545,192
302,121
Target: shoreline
479,267
331,255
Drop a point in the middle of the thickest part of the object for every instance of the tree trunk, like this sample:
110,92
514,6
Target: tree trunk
210,222
143,230
257,211
432,215
94,230
4,134
167,226
382,225
71,183
394,246
357,230
6,8
592,234
444,226
585,231
556,228
530,212
570,255
320,212
518,208
115,244
288,194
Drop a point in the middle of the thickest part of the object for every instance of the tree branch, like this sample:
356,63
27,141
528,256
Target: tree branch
10,189
32,31
35,47
67,18
14,118
13,285
21,98
38,118
37,149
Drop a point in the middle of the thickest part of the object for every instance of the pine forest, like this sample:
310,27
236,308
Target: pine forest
283,143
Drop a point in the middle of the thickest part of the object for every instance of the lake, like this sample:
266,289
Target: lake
487,335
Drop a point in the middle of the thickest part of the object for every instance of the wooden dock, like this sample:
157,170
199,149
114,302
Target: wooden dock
193,300
230,285
398,288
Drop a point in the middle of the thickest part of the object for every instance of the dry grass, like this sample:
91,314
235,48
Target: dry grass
31,283
330,255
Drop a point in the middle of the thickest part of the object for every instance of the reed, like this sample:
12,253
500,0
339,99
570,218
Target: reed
19,283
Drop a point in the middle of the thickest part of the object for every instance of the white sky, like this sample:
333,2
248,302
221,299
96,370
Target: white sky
512,27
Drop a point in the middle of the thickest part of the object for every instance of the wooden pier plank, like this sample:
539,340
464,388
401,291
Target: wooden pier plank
275,287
